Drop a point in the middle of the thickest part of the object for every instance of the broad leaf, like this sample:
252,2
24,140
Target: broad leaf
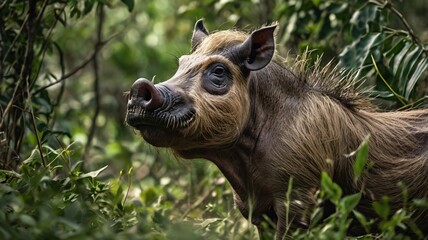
421,67
398,58
356,54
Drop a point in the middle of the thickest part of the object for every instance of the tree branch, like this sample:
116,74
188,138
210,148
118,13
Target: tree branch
391,7
69,74
100,9
99,46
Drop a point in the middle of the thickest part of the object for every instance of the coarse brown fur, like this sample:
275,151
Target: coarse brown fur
214,129
276,123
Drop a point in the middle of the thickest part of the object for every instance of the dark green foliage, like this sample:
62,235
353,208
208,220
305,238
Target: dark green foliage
354,31
60,202
64,66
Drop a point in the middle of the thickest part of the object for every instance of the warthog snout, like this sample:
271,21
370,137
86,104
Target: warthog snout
144,93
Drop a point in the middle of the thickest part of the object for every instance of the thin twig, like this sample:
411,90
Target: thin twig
92,129
61,64
31,13
129,186
391,7
39,144
199,201
22,84
77,68
83,64
28,75
398,96
69,74
12,45
45,46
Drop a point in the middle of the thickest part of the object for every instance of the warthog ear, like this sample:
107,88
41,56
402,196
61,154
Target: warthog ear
199,33
257,50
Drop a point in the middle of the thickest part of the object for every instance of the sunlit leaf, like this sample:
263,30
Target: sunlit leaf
361,18
329,189
209,221
361,158
93,174
348,203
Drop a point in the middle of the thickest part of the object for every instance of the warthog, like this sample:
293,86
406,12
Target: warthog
235,102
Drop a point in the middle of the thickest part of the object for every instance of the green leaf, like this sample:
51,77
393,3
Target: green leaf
149,195
421,203
361,19
405,67
362,219
130,4
209,221
361,158
316,216
356,54
10,173
381,94
421,67
316,2
92,174
329,189
348,203
394,50
398,58
88,7
409,62
27,220
382,207
400,98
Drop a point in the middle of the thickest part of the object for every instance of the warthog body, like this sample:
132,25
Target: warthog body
234,102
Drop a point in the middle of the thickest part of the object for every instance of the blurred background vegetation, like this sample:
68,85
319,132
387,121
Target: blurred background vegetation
71,168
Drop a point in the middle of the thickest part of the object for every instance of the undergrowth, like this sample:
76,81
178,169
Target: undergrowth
60,201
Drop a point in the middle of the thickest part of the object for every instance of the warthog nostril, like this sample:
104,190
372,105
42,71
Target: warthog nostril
145,93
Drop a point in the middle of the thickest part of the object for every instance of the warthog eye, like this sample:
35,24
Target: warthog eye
216,79
219,71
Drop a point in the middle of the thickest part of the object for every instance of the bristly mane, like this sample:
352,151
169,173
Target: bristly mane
331,80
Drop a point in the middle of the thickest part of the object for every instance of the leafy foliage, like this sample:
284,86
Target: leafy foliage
325,26
65,64
61,202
